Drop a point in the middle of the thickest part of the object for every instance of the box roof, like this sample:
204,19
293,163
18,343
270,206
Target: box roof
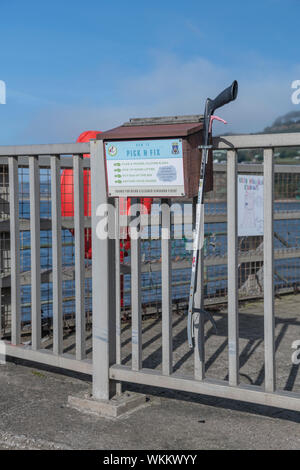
150,128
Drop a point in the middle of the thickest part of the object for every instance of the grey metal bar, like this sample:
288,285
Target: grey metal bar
45,149
1,285
213,387
256,168
269,313
15,251
199,321
118,284
56,256
44,356
118,292
166,280
232,244
79,257
248,141
44,161
1,304
34,185
136,307
103,275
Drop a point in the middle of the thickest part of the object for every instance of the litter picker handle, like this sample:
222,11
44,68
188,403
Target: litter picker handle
227,95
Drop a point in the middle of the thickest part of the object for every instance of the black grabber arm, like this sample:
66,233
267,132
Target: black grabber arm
227,95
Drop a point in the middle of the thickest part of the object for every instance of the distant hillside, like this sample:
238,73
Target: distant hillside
289,122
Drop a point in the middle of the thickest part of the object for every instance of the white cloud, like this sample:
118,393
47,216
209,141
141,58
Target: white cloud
174,86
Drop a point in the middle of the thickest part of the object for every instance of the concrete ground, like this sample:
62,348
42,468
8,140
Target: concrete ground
34,411
34,415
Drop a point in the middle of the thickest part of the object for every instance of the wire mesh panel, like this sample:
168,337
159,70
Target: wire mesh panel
250,270
45,268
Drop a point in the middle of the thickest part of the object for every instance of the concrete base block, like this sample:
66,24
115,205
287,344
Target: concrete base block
117,406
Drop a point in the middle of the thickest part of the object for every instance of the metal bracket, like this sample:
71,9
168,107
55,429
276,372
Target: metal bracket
210,317
203,147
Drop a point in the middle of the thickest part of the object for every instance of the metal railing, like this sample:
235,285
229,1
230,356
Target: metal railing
105,270
38,160
110,369
287,250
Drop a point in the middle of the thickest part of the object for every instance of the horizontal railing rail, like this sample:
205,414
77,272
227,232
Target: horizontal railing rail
44,161
258,168
255,141
44,149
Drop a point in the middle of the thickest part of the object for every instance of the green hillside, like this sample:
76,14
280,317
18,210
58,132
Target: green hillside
289,122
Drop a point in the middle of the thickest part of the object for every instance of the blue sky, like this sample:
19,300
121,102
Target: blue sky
71,66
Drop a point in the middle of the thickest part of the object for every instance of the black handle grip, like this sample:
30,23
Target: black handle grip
227,95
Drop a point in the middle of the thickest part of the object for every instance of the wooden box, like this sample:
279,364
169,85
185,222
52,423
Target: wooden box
184,132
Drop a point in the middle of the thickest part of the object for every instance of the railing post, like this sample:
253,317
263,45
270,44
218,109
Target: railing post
1,323
34,178
269,313
166,281
56,255
118,291
15,250
103,272
232,250
79,257
136,303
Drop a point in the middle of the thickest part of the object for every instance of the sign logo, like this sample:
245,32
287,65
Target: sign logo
175,148
112,150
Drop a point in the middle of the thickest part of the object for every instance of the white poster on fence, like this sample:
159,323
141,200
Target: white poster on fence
250,205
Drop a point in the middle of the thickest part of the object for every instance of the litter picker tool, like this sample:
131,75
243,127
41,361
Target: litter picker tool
227,95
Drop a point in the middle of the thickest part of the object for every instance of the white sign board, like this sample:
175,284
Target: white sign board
250,205
145,168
